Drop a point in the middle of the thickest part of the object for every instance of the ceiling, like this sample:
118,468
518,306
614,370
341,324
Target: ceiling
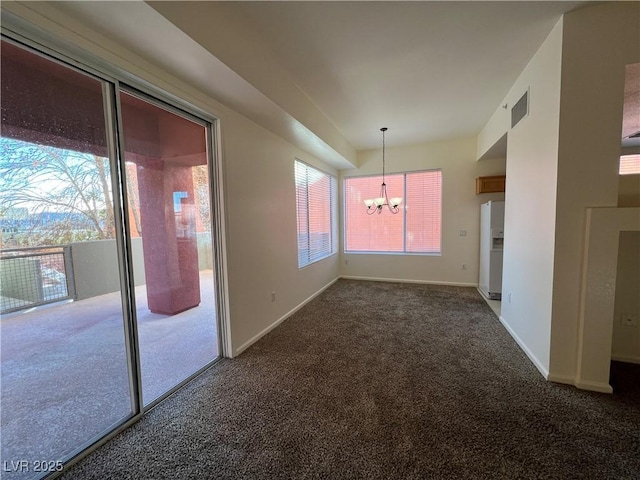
427,70
326,75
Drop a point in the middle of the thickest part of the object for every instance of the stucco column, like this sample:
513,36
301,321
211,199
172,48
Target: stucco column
168,221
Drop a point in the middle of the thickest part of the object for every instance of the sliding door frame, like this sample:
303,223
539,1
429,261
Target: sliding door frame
123,242
21,33
208,126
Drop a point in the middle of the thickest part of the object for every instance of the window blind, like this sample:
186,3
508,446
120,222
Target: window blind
629,165
316,213
415,229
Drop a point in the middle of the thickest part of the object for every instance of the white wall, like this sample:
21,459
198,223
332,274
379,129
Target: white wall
493,130
603,228
629,191
530,203
626,339
561,159
258,184
460,211
598,42
261,230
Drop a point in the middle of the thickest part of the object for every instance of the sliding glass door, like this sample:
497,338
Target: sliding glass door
107,262
66,379
167,179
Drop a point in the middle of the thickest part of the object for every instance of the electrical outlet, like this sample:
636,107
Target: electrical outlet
628,320
464,266
463,233
346,262
273,296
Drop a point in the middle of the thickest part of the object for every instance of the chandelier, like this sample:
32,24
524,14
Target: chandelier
376,204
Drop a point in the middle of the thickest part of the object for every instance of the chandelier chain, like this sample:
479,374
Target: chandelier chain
383,130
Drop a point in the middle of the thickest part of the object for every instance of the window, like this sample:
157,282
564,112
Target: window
415,229
316,212
629,165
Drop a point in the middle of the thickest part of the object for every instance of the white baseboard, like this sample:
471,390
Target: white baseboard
625,358
261,334
594,386
538,364
403,280
564,379
589,385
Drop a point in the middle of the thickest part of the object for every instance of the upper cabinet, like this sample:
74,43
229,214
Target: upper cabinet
491,184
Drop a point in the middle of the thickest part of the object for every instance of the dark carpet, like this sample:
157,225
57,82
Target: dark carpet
381,381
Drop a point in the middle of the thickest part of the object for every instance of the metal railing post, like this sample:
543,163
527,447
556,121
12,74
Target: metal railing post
69,272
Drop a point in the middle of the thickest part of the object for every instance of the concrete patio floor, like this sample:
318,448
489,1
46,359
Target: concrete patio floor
64,369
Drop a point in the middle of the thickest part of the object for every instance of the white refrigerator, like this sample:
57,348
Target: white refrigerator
491,244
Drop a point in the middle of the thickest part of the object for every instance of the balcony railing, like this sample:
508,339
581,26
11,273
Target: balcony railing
35,276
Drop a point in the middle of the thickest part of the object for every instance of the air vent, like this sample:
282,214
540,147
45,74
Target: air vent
520,109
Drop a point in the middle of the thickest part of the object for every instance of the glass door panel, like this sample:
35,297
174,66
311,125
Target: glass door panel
64,362
170,222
